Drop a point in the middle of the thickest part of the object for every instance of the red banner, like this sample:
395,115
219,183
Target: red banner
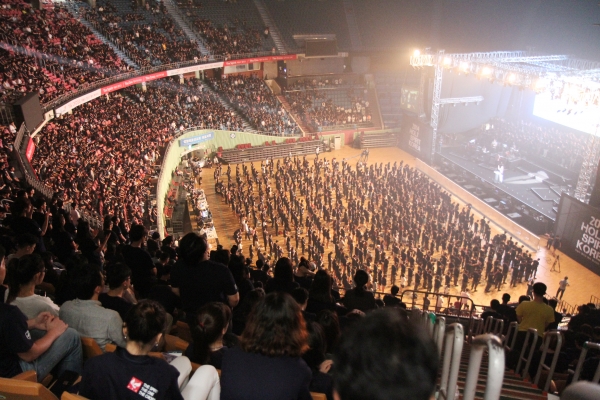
133,81
30,149
259,59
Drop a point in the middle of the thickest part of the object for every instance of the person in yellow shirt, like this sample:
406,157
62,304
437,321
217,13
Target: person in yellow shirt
531,314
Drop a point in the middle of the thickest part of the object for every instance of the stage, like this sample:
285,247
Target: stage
528,194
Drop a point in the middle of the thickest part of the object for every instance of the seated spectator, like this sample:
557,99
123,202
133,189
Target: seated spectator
241,275
212,324
385,357
59,350
315,359
21,222
120,296
301,296
260,274
330,323
492,311
359,298
63,245
267,365
23,275
319,296
130,372
86,314
283,277
241,313
26,243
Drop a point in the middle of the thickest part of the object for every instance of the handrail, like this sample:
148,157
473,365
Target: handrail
513,328
584,351
550,368
531,332
453,346
494,326
595,300
439,329
495,370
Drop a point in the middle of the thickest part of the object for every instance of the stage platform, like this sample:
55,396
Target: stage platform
537,190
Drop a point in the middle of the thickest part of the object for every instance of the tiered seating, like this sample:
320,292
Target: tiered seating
389,92
310,17
325,103
102,155
258,153
372,140
228,27
148,34
48,51
253,98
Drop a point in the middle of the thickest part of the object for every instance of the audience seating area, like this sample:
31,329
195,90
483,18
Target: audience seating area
228,27
310,17
272,150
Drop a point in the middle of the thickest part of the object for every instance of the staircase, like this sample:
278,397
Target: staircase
179,19
73,9
296,118
228,106
513,387
353,28
270,22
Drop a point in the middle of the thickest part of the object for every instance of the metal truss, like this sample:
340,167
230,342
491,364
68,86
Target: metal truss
460,100
588,167
436,101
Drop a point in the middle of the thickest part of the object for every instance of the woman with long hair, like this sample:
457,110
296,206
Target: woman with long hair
283,277
23,275
208,348
268,363
319,295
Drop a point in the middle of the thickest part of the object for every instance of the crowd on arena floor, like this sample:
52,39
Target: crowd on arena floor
49,52
314,102
253,98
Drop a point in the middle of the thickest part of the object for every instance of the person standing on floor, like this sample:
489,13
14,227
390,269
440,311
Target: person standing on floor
562,285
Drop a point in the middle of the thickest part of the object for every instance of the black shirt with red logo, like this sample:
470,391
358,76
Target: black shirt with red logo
120,375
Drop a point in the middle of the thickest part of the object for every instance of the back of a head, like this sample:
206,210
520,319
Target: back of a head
25,239
385,357
283,270
505,298
361,278
21,271
116,274
539,289
300,295
144,321
320,288
494,304
395,289
275,327
211,320
84,281
192,248
137,233
316,341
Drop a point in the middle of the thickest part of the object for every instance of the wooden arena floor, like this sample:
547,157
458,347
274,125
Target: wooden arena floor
583,282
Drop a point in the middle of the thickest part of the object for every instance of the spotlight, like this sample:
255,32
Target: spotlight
486,71
417,53
447,61
464,65
512,78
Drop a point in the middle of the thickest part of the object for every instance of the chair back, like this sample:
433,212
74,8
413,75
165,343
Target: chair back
318,396
18,389
531,339
90,348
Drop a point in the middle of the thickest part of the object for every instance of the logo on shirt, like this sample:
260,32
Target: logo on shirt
143,389
28,335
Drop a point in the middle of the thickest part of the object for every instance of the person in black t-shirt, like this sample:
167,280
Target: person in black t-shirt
130,373
199,281
118,278
143,271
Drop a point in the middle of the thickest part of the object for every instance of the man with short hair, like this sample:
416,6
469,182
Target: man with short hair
86,314
562,285
390,300
385,357
143,271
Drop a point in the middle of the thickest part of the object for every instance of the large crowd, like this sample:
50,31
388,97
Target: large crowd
102,157
49,52
252,97
324,104
149,36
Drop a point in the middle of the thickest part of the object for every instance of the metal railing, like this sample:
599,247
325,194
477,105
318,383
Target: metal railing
495,369
531,339
548,338
511,336
595,300
453,346
584,351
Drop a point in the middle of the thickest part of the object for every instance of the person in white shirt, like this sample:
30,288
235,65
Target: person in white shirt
562,285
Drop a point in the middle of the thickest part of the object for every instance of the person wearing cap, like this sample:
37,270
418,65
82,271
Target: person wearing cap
531,314
562,285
